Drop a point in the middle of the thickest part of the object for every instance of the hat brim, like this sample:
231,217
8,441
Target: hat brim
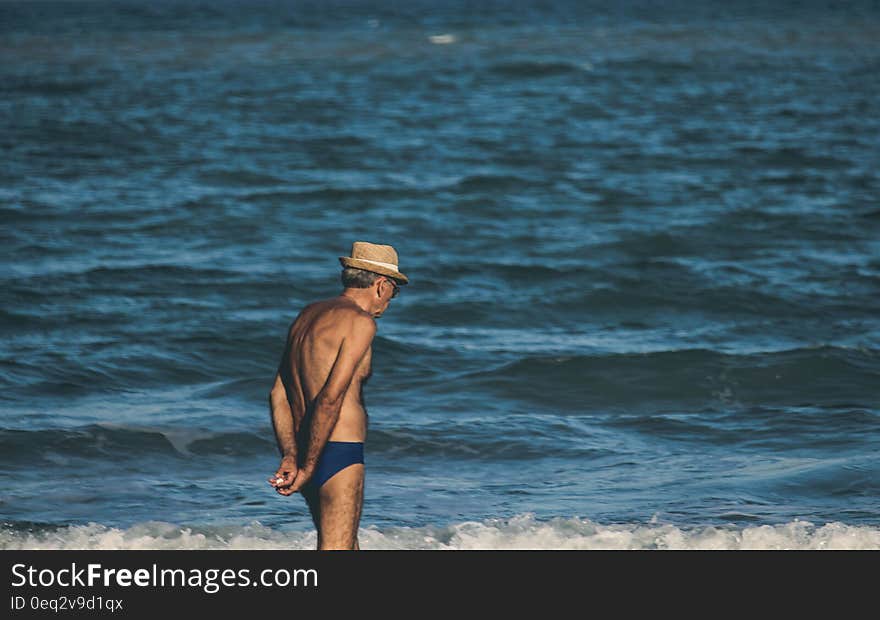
347,261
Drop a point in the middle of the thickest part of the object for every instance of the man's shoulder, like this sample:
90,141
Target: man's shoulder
348,315
355,326
358,320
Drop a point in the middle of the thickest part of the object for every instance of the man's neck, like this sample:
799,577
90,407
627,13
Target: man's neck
358,296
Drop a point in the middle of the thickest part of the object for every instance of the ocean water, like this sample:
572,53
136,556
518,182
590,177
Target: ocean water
643,242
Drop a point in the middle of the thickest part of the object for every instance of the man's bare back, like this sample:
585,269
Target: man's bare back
314,344
317,403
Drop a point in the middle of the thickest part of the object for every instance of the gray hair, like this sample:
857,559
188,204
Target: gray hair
357,278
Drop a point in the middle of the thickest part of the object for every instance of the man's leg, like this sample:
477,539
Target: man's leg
341,501
310,494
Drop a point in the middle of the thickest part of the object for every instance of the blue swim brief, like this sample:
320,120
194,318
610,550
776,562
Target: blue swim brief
337,455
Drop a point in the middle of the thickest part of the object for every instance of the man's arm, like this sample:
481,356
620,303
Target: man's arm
282,418
328,403
282,422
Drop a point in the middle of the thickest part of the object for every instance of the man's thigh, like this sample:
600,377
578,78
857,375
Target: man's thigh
341,502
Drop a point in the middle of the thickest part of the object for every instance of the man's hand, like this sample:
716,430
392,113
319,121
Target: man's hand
302,477
299,481
285,476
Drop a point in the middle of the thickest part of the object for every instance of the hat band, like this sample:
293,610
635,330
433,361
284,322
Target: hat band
375,262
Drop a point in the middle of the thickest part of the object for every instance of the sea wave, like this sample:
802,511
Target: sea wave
687,378
522,532
125,442
534,68
471,441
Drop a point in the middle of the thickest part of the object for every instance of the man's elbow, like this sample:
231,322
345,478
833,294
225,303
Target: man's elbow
328,405
277,395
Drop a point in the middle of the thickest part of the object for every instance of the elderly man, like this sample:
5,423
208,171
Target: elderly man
317,400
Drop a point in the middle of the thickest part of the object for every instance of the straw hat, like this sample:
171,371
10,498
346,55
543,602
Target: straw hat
381,259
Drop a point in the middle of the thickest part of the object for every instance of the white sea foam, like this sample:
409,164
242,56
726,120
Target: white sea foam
521,532
442,39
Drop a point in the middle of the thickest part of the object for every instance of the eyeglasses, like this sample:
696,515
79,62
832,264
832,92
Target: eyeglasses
396,287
